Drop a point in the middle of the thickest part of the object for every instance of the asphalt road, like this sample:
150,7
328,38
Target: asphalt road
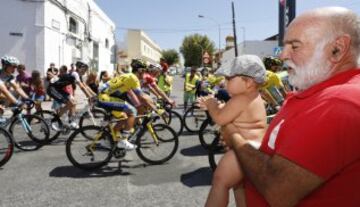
46,177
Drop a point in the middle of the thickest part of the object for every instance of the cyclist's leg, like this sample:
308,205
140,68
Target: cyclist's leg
191,99
69,104
71,107
186,100
62,97
227,175
38,99
130,111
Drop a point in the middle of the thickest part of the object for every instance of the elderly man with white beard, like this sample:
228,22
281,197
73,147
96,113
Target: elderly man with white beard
310,155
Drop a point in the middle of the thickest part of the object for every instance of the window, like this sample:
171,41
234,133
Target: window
106,43
73,25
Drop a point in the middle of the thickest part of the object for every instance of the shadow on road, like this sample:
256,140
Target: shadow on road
73,172
186,133
197,150
199,177
106,171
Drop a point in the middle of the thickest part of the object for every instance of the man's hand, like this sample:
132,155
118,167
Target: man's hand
230,135
227,132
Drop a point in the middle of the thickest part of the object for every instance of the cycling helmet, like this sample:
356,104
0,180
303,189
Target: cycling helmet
137,64
80,64
204,72
9,61
272,61
154,67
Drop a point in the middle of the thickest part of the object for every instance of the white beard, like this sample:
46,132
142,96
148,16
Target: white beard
315,71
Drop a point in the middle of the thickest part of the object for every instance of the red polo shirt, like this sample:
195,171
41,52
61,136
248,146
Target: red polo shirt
319,130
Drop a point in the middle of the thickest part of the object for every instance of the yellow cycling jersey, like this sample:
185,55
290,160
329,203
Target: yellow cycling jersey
165,82
272,80
123,83
190,84
215,80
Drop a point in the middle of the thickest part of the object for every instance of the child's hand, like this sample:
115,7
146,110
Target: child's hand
201,103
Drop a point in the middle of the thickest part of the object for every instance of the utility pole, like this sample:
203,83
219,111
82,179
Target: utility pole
234,28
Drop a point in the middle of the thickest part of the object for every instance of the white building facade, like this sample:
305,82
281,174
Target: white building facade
259,48
57,31
137,44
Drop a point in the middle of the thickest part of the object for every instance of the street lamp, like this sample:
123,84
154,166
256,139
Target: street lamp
216,22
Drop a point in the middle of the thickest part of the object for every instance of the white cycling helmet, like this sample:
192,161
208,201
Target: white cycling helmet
9,61
153,67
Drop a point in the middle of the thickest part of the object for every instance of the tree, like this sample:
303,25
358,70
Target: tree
171,56
193,47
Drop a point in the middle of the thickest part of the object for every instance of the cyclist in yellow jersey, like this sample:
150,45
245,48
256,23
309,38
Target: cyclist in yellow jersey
215,80
190,87
203,86
273,90
148,80
113,96
165,82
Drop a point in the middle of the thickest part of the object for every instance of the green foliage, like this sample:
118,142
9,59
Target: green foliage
192,48
171,56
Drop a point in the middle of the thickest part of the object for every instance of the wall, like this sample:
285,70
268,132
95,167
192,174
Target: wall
46,37
21,17
94,27
137,44
102,29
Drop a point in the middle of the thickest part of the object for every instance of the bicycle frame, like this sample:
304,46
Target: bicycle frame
20,116
140,130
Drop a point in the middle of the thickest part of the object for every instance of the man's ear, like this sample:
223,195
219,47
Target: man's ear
340,48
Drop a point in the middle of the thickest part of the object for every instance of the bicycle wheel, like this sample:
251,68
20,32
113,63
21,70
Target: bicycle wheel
207,133
193,118
51,118
153,153
175,121
29,133
89,153
96,118
215,152
6,146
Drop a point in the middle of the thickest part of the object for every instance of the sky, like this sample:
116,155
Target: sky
167,22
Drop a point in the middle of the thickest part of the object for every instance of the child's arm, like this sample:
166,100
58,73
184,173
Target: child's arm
225,113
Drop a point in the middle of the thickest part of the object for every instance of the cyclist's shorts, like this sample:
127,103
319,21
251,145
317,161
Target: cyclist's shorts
36,97
189,97
59,95
115,104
